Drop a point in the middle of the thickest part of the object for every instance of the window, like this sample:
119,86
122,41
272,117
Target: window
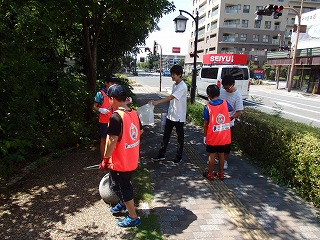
243,37
255,38
267,25
259,8
209,73
246,8
257,24
245,23
265,38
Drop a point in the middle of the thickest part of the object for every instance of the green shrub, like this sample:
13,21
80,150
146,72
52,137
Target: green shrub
287,151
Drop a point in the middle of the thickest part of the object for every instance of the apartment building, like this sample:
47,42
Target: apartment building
227,26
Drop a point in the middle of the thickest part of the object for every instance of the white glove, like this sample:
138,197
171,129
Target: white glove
103,110
129,100
204,140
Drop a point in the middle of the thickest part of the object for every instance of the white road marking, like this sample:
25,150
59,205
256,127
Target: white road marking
286,112
276,99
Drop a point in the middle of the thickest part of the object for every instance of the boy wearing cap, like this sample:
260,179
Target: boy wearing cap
101,104
121,153
176,116
217,134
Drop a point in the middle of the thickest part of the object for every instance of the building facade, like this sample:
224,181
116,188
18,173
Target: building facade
227,26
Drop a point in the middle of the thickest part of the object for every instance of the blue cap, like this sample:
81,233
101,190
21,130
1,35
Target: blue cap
117,90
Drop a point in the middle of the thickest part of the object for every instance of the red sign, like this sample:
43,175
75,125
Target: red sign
175,50
258,71
240,59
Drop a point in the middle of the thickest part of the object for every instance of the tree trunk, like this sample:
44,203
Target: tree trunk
90,38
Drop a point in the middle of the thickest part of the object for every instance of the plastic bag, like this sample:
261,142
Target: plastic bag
146,114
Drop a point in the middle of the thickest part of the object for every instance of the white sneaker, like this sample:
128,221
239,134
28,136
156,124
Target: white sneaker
216,161
225,166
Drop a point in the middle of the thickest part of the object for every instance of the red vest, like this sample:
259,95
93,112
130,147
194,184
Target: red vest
219,132
126,153
104,118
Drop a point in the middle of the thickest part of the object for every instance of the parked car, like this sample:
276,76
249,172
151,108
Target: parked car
166,73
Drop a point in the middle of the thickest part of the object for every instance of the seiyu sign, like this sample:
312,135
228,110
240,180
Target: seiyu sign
230,59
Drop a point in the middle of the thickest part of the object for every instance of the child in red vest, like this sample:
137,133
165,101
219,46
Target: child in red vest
121,153
217,133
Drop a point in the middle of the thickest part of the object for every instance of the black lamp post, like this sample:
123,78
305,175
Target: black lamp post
180,23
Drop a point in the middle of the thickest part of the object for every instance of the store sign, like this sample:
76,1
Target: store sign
258,73
240,59
310,38
175,50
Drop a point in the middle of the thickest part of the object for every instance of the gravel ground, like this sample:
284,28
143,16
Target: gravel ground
59,201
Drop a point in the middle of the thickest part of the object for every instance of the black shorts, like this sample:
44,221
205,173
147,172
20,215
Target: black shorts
103,130
218,149
121,185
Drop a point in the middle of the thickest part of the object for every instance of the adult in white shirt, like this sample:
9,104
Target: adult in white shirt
176,115
230,93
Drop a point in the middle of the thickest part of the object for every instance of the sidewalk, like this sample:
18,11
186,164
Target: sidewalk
246,205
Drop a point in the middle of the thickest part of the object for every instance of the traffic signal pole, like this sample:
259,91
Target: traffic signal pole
160,64
294,54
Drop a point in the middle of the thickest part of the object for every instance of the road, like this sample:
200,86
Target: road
297,106
294,105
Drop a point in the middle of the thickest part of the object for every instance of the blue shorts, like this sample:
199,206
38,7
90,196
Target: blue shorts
103,130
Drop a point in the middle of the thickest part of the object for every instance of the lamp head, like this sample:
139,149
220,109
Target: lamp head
180,23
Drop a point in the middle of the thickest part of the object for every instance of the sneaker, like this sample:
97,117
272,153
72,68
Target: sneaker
208,175
129,222
158,158
220,176
225,166
119,208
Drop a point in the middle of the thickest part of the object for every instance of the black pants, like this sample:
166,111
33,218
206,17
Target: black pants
166,137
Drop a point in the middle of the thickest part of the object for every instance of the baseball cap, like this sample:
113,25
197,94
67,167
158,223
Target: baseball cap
111,78
117,90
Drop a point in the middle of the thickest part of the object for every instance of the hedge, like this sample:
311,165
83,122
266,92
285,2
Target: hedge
287,151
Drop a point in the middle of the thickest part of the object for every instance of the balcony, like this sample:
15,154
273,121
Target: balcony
230,38
231,24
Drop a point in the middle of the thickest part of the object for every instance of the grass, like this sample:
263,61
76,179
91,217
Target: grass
143,191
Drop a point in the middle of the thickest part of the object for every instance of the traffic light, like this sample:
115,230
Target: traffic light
277,12
147,49
155,48
259,14
269,9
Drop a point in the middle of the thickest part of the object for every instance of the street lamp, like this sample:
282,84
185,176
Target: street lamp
294,56
180,23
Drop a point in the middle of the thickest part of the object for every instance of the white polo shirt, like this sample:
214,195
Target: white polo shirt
177,110
234,99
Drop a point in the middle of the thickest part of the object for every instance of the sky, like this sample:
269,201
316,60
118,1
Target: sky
167,37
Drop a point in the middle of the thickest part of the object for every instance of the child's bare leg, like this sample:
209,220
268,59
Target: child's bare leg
131,209
221,162
212,156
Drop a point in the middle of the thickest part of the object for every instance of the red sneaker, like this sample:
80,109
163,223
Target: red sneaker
220,176
208,175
